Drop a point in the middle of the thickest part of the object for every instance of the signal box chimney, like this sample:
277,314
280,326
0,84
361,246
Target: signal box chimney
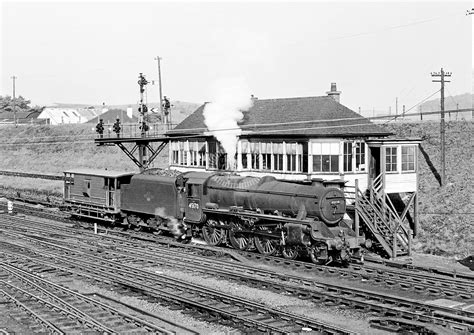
334,93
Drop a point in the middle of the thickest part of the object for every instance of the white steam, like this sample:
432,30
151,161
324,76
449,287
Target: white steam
175,227
230,98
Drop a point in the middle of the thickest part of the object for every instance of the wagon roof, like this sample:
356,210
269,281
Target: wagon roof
100,172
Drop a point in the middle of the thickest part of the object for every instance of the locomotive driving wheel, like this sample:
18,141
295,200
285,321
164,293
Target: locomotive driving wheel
265,245
239,241
211,233
290,252
319,255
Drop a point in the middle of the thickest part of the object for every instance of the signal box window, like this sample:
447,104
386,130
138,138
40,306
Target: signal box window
408,158
278,156
354,156
360,156
212,155
266,150
294,158
255,155
347,156
202,154
391,159
174,153
325,157
244,154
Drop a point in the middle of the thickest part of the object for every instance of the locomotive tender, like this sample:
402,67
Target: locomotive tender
272,216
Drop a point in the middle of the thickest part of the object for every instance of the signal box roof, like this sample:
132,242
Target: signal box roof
303,116
100,172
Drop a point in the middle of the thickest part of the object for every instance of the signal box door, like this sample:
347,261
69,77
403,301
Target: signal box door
193,208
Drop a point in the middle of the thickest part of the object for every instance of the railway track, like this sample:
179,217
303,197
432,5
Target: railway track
32,175
59,310
201,302
382,304
401,279
372,266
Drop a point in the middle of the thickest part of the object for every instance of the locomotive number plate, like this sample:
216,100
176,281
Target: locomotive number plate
193,205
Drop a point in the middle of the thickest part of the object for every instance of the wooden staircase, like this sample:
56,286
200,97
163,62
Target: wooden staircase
381,220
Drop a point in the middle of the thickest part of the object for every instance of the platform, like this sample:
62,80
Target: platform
131,140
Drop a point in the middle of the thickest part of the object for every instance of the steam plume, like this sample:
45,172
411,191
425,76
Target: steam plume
175,227
221,116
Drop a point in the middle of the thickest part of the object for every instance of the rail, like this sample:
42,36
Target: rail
31,175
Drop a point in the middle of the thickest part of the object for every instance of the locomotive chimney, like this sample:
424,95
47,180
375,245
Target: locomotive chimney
334,93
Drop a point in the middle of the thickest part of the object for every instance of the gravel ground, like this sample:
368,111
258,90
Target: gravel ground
161,312
355,321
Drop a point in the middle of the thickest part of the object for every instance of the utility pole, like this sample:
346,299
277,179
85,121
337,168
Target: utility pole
14,102
396,108
442,74
158,59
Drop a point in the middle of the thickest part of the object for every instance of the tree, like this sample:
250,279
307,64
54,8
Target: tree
21,104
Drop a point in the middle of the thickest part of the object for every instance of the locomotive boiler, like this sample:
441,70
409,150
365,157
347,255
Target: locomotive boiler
317,199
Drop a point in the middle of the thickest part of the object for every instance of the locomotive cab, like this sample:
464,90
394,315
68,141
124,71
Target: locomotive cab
194,182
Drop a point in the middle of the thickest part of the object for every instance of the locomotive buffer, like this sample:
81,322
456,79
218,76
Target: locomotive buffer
141,140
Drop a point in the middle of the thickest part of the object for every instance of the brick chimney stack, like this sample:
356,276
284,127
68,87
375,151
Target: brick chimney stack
334,93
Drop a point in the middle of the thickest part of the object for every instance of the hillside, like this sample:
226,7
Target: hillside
445,213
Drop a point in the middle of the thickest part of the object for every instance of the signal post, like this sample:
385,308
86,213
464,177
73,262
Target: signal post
133,142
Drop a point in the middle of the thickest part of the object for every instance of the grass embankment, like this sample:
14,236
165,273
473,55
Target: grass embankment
445,213
52,150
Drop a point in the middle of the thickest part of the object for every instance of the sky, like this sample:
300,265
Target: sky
92,52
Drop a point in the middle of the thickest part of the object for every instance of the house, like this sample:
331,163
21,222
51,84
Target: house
68,115
308,138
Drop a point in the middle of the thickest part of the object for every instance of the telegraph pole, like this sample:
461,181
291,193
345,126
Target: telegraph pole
396,108
14,102
442,75
158,59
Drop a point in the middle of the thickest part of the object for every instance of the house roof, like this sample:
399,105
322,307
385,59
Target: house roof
305,116
68,114
111,115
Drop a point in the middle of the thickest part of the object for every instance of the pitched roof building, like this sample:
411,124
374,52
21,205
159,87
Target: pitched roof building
300,139
319,116
65,115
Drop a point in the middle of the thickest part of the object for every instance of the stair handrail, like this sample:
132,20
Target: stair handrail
379,235
375,208
388,216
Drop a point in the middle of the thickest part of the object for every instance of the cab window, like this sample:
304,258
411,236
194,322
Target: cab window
193,190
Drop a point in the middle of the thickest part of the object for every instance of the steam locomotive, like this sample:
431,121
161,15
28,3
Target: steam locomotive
266,214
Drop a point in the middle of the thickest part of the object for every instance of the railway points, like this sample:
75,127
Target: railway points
142,258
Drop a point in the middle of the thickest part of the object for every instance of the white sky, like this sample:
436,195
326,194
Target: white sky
92,52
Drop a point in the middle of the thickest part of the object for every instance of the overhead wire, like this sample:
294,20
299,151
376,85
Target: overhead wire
415,105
